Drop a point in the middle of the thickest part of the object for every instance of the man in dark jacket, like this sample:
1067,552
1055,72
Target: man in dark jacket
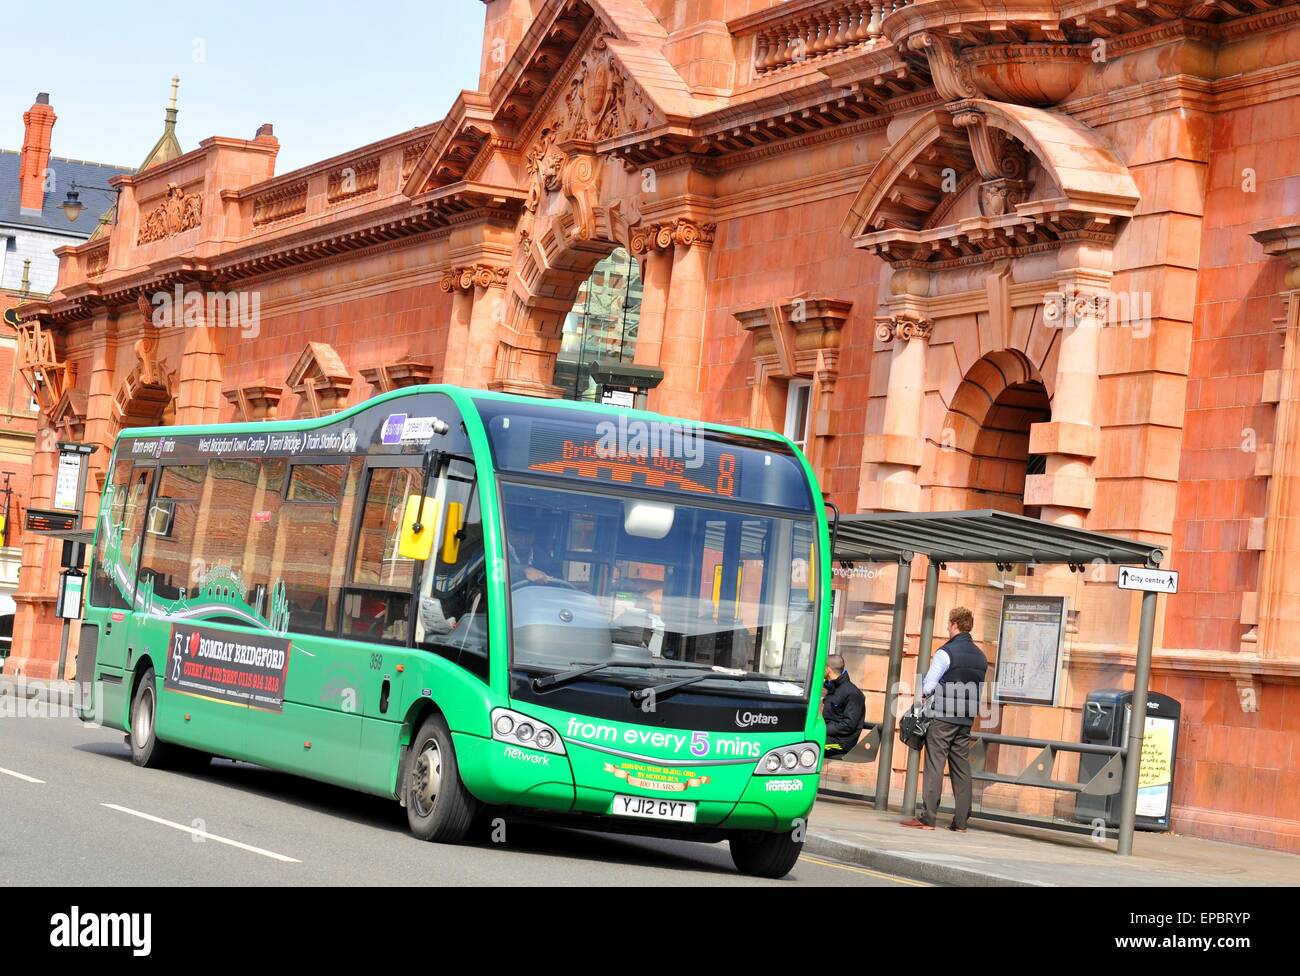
952,688
843,708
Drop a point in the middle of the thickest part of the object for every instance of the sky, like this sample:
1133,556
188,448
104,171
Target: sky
329,75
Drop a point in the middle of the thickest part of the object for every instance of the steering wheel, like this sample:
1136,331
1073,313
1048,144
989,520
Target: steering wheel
549,581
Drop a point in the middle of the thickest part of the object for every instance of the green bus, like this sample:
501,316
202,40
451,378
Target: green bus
462,599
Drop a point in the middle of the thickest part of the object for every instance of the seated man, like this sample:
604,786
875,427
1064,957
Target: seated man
527,561
843,708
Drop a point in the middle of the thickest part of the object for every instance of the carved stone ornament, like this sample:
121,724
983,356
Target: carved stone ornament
661,236
472,276
904,326
599,103
951,75
179,211
1002,162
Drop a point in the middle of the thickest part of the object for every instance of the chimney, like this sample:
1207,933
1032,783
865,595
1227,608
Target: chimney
39,121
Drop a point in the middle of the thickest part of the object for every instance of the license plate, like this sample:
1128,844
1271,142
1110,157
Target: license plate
652,808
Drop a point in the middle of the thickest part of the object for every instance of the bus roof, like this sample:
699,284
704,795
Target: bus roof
464,398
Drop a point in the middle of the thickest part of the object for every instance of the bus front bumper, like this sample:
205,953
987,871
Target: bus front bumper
502,775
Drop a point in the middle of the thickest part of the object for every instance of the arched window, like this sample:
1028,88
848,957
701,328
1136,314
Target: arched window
602,324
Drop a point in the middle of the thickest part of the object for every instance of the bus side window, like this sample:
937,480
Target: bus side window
227,522
102,588
460,579
169,532
311,543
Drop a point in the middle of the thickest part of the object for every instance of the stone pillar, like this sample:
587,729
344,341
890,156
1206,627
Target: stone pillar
679,329
1279,594
99,406
656,278
891,483
477,292
462,305
198,390
1067,491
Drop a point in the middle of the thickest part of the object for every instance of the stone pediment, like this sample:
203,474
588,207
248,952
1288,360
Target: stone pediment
1079,187
577,76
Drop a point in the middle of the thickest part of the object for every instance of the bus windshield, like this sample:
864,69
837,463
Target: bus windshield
640,578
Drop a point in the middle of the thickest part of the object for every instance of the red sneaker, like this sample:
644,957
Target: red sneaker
916,824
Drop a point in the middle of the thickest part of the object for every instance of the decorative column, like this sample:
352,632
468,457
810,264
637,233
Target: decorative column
889,479
477,292
681,338
198,389
656,278
1069,441
1278,613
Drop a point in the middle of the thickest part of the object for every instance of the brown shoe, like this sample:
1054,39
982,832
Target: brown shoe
916,824
956,830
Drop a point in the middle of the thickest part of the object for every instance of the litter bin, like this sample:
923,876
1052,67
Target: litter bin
1106,716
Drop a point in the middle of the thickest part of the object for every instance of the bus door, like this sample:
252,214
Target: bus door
119,646
377,611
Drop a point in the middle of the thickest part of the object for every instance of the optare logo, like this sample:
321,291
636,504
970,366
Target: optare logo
393,426
745,720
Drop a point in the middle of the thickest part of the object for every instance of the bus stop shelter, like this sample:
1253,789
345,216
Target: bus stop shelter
1001,539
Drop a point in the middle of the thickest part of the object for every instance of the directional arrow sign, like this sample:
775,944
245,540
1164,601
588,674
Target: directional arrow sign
1149,580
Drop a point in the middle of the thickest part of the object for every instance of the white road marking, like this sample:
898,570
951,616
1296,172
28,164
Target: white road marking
195,832
22,776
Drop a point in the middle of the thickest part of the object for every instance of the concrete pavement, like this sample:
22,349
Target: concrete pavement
75,811
991,855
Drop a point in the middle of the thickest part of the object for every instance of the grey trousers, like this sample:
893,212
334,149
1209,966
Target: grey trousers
950,743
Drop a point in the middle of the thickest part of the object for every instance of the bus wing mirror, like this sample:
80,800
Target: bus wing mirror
418,521
451,533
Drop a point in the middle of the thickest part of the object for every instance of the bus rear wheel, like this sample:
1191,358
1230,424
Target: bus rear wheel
438,807
765,855
147,749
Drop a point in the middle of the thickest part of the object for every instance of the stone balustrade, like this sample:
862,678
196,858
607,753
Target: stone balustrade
821,30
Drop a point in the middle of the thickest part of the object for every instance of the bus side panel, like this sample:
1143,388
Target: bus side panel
318,731
213,726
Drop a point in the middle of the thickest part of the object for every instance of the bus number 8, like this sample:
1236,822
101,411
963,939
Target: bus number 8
727,474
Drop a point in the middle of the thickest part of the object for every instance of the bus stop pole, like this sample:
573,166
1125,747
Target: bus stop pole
922,666
897,633
1137,725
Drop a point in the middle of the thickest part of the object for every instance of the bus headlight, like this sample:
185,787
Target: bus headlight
799,758
521,730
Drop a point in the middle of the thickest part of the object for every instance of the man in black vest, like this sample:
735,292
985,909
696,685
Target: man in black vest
952,688
843,708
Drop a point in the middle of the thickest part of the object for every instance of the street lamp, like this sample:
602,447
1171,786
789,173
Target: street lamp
73,207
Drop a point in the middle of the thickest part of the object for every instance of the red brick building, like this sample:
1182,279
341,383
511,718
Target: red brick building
1032,257
33,184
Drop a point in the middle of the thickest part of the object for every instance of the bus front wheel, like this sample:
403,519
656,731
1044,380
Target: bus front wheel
438,807
765,855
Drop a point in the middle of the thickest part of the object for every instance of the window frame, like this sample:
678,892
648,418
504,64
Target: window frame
798,393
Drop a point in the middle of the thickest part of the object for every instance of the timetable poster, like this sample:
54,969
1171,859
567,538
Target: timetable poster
1030,641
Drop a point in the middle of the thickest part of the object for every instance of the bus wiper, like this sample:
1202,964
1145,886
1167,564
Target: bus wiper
656,692
564,677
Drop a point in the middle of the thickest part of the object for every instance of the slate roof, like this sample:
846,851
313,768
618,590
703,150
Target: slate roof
65,172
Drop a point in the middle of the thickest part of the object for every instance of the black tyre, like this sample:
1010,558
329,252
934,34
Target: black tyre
146,749
438,807
765,855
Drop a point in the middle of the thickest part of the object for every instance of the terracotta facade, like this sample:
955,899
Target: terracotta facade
1027,257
